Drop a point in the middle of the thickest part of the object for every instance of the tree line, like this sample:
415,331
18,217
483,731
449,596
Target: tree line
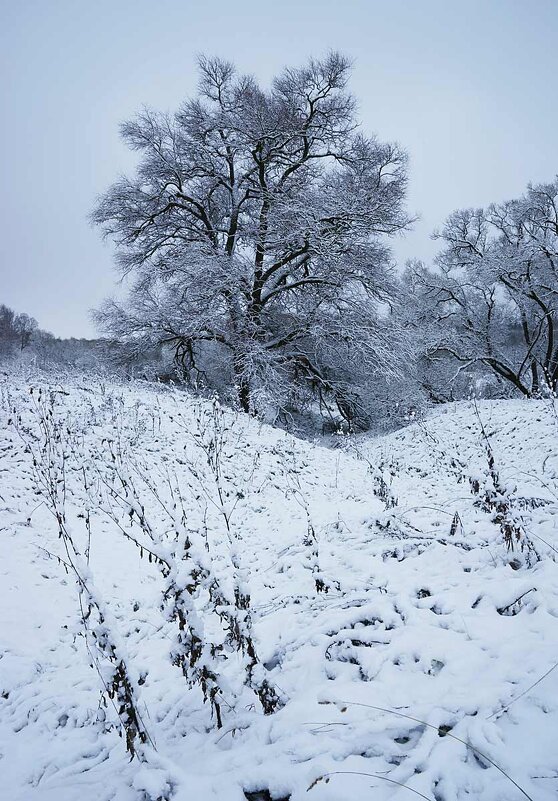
22,340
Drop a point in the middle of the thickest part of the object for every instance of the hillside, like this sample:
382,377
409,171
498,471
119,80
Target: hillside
402,601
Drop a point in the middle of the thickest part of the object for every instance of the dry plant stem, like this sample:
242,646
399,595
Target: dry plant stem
438,729
310,540
211,436
191,652
517,697
326,776
497,501
49,465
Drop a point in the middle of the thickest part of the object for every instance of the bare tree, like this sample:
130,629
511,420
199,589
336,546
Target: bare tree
494,297
25,327
16,330
7,330
256,225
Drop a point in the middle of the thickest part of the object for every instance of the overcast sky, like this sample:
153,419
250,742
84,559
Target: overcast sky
468,87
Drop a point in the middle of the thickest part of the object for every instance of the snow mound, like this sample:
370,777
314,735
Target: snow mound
403,601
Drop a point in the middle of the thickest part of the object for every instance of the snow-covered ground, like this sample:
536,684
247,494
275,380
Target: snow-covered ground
425,669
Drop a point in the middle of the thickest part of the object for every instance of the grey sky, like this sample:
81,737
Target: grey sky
468,87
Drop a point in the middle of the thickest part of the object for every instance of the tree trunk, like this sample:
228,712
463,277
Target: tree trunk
242,383
244,395
535,385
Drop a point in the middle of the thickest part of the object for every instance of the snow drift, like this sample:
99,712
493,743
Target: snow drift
377,620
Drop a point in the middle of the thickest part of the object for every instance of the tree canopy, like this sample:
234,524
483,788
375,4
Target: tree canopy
254,236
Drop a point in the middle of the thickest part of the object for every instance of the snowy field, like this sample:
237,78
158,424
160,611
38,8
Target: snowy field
398,602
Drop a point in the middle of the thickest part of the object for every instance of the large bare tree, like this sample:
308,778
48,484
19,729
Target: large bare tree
494,297
256,225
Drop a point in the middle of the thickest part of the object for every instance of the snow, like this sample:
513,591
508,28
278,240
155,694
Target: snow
420,672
